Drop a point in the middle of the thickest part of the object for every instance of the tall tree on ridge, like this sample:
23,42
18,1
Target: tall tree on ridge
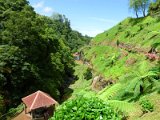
144,5
134,4
139,6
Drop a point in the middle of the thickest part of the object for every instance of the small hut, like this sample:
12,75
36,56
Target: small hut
39,105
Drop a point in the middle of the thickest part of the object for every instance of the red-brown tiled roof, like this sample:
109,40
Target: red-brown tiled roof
37,100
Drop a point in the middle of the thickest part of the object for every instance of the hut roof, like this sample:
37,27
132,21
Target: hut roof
37,100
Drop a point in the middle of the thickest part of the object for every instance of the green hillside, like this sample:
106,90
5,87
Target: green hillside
114,76
135,38
127,56
121,55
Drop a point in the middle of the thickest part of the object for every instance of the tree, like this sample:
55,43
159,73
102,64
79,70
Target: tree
33,53
139,6
73,38
144,4
134,4
154,8
15,74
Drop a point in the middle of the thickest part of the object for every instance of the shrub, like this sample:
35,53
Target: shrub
14,111
119,28
147,106
140,27
127,34
86,109
88,74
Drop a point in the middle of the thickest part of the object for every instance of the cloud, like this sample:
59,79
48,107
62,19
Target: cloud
104,20
48,10
41,8
39,5
89,31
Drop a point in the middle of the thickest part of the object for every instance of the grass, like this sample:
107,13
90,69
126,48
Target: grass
132,31
81,87
113,62
119,64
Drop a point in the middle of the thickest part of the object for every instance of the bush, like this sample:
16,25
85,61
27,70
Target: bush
127,34
88,74
86,109
147,106
119,28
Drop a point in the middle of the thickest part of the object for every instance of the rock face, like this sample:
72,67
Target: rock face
99,83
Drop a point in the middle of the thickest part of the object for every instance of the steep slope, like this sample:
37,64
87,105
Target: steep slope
124,45
128,55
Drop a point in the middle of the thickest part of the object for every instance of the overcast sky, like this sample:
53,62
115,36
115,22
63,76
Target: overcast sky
89,17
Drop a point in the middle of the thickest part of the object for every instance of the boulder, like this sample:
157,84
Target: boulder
98,83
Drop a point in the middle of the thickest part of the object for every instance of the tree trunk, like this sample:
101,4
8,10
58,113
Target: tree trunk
136,14
143,6
144,14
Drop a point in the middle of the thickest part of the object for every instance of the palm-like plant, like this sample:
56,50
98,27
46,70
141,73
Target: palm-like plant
132,86
144,81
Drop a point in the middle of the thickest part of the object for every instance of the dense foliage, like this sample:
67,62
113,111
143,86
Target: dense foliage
73,38
88,74
120,56
35,52
154,8
147,106
86,109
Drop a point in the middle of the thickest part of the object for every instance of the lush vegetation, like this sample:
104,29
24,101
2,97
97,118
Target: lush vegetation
86,109
35,52
154,8
147,106
127,55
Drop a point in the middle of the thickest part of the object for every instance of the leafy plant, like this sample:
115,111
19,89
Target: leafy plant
109,93
127,33
88,74
124,106
147,106
140,82
86,109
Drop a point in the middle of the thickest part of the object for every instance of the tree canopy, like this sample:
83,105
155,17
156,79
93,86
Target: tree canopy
35,51
154,8
139,6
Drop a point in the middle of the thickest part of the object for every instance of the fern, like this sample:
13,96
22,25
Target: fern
156,85
124,106
126,78
111,92
138,83
132,84
137,89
